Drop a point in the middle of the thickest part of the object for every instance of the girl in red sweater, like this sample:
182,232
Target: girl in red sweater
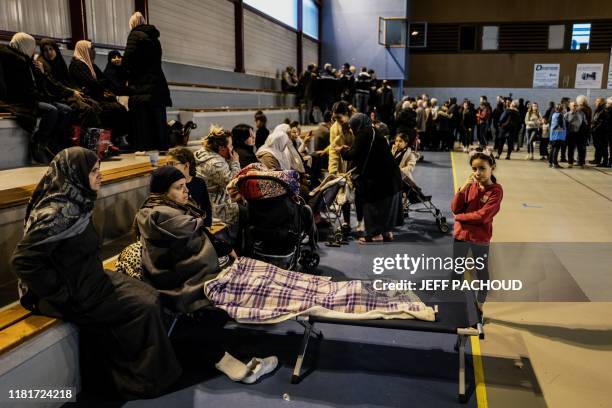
474,206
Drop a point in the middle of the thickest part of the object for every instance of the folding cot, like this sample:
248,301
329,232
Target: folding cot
451,318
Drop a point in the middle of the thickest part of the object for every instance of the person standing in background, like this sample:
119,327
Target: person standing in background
149,93
261,132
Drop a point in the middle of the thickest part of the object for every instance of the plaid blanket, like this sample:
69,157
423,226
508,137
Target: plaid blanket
252,291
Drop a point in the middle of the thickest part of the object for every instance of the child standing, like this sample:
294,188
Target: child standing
544,139
558,135
474,206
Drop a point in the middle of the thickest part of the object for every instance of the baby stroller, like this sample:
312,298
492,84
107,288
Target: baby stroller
280,229
323,201
413,195
179,133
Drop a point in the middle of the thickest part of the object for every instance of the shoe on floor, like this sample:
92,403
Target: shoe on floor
507,157
569,166
258,367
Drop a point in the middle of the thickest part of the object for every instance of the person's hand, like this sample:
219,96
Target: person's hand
39,66
234,156
307,137
320,152
468,181
77,95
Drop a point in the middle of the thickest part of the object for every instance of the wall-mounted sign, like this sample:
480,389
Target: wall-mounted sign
589,76
546,75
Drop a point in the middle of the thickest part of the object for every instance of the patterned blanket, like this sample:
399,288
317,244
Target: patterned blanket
257,189
252,291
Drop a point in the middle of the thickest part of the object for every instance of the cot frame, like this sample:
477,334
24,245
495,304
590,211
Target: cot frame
462,335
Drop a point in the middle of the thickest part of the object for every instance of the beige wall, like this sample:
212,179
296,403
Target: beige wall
443,11
494,70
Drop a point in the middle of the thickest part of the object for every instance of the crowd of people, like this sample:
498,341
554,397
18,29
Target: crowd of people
321,88
72,98
365,136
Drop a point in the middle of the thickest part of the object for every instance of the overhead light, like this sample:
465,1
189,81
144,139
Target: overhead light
414,33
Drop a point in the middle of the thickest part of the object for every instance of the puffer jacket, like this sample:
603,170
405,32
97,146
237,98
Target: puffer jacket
217,173
177,256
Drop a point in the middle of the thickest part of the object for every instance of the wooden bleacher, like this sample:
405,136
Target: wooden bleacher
16,196
18,325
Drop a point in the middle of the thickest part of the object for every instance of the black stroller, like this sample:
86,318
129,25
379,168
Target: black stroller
323,201
281,230
413,195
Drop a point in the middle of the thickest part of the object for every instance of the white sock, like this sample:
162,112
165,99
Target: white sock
235,369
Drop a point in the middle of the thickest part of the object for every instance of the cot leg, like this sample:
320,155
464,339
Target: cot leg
172,325
461,343
295,378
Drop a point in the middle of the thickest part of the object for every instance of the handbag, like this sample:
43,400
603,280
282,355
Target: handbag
356,178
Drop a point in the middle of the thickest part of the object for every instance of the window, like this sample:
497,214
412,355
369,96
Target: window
48,18
490,37
581,35
107,21
417,35
467,38
310,18
556,36
284,11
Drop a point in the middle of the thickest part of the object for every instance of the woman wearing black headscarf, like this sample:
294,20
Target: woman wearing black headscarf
378,182
58,260
115,73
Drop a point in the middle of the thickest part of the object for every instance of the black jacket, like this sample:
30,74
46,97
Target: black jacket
599,124
406,121
90,86
381,177
142,60
19,84
64,277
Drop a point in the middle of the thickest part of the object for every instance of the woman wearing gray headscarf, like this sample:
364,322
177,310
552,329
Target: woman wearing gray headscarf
378,182
59,265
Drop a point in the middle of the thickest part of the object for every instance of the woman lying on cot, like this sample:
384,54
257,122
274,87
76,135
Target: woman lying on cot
179,259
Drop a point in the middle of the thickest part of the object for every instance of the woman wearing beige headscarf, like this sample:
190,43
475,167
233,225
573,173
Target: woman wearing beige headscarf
93,83
149,92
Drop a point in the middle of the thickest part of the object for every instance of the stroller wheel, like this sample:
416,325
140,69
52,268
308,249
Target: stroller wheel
310,260
442,225
339,236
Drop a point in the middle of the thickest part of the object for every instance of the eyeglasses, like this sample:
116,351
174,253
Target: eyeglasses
182,187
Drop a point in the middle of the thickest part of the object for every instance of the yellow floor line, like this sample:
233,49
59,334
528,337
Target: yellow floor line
481,390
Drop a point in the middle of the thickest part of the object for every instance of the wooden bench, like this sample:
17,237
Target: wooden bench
17,196
18,325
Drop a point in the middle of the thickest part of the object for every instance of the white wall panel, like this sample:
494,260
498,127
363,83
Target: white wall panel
196,32
47,18
107,21
268,47
310,52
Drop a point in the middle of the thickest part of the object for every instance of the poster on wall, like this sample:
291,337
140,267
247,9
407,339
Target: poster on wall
610,71
546,75
589,76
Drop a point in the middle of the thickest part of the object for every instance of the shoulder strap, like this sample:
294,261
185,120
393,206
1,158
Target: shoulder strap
365,163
